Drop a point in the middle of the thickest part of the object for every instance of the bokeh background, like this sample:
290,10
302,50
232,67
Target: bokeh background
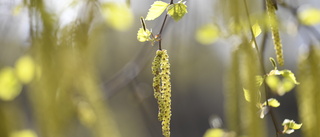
120,66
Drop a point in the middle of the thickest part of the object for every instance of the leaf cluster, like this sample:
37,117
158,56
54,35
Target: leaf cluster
174,10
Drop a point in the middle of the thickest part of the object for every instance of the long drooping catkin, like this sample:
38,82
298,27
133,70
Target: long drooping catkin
249,69
162,89
271,10
308,92
232,95
157,81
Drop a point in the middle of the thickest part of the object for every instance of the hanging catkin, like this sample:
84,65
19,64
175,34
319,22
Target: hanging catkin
271,10
308,92
162,89
232,94
157,81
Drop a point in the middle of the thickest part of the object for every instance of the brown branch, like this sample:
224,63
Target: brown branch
162,27
263,71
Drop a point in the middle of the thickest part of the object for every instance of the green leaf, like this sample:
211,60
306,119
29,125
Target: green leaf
288,131
287,85
295,126
273,102
178,10
273,82
143,35
256,30
118,16
289,75
290,126
247,94
279,86
274,72
214,132
207,34
157,8
263,111
309,16
10,87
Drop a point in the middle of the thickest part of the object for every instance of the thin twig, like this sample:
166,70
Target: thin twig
162,27
250,26
267,89
164,22
261,60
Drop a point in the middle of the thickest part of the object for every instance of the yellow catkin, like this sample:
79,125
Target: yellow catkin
232,94
162,89
249,68
157,81
308,93
271,10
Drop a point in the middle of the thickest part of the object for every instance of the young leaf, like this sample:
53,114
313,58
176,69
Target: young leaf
309,16
256,30
247,95
274,72
143,35
279,86
157,8
287,85
289,126
207,34
272,102
178,10
289,75
263,111
273,82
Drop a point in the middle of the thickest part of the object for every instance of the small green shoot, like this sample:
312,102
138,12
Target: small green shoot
289,126
177,10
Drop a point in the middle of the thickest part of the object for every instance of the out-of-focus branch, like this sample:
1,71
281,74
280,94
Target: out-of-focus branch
130,71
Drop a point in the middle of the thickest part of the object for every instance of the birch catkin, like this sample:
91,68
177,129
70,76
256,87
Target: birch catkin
162,89
157,81
271,10
308,92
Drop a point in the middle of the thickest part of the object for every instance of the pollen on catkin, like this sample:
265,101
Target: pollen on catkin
162,89
271,10
157,81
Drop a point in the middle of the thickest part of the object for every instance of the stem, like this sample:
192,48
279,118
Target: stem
162,27
261,60
266,88
250,25
164,22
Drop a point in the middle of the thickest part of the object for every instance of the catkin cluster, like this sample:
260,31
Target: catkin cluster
162,89
271,9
